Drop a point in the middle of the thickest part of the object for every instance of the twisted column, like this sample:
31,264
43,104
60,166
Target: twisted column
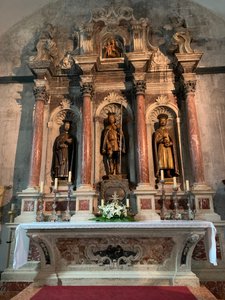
142,149
41,98
86,167
193,133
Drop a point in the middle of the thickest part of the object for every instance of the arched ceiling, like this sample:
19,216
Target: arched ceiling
13,11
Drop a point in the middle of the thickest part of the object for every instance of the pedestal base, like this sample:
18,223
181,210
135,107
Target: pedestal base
145,196
204,209
85,196
29,205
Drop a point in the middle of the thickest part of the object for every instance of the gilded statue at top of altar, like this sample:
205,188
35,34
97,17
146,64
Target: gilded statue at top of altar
113,145
63,153
165,154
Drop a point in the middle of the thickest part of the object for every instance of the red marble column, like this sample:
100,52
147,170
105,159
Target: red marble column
41,97
86,166
193,133
142,149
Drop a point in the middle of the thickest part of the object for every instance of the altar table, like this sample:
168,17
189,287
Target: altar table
120,253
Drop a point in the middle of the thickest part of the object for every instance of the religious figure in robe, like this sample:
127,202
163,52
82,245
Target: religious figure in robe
165,155
112,49
63,153
113,144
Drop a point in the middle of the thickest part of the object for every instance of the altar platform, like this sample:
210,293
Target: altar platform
130,253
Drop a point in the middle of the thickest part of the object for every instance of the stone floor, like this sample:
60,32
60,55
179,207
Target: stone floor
201,293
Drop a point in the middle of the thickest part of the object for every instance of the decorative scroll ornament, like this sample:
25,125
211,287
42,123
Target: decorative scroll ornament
190,86
40,93
115,253
112,15
183,41
140,86
191,242
161,100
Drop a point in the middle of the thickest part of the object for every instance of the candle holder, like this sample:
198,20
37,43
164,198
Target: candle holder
190,210
163,211
67,214
11,214
53,217
40,214
175,214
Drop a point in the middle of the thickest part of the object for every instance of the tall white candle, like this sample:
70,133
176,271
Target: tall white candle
41,187
56,184
187,186
127,202
175,182
102,202
70,176
162,174
12,206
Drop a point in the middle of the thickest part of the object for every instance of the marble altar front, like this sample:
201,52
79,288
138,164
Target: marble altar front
134,253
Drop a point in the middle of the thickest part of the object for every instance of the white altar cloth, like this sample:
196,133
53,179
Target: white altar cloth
22,241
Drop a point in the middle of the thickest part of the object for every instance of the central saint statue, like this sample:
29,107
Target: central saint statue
113,145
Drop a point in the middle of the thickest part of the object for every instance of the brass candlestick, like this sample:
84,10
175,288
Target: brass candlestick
11,214
175,214
163,200
190,211
53,217
40,214
67,214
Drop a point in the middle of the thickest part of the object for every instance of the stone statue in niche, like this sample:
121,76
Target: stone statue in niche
165,154
113,145
112,49
63,153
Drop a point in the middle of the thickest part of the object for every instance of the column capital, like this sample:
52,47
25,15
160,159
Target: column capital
87,89
140,87
189,86
40,93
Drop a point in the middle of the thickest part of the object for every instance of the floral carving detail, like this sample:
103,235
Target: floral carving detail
112,15
87,89
140,87
40,93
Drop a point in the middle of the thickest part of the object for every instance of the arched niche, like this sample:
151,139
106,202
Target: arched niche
112,46
114,103
55,125
164,106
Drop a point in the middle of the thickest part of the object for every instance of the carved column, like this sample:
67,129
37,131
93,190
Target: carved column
142,149
193,133
41,98
86,167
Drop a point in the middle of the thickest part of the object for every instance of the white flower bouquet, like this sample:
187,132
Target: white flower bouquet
113,212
